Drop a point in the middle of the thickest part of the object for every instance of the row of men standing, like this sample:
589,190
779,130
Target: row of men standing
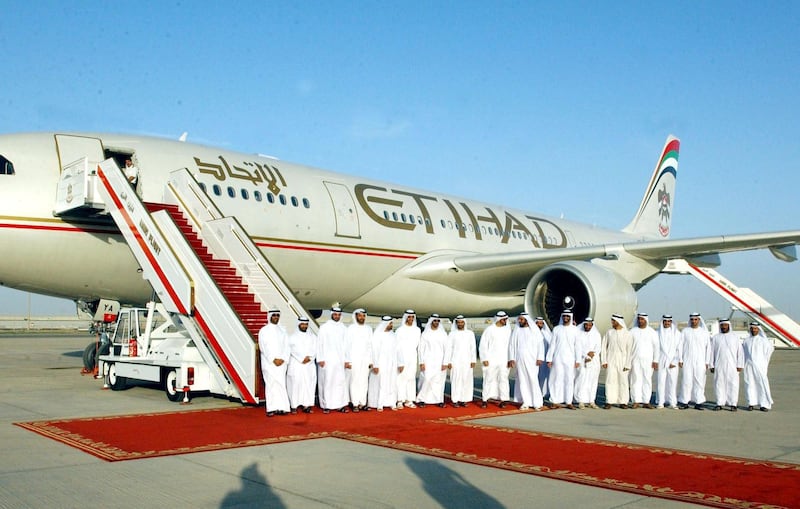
632,357
356,367
359,368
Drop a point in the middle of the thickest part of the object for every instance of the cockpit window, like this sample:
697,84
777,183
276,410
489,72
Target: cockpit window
6,166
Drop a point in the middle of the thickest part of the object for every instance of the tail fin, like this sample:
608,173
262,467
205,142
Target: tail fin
655,212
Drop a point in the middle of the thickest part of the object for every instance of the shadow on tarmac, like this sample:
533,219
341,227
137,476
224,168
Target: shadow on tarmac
448,488
254,492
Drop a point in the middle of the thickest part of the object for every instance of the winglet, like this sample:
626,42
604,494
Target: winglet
654,217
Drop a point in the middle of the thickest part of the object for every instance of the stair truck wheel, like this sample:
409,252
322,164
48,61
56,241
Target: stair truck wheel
117,383
173,392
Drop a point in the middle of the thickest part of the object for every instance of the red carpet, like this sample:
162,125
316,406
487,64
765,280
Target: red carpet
666,473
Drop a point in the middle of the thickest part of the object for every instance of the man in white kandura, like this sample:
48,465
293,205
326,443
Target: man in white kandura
358,355
695,357
526,354
408,335
493,351
727,361
757,353
615,358
544,371
273,343
669,343
301,375
434,355
644,359
563,358
589,370
332,379
383,375
462,362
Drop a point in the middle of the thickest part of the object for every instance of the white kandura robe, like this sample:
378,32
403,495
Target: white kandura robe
544,371
408,345
434,352
588,375
494,349
564,353
332,381
669,343
757,353
727,356
696,353
615,352
274,344
301,379
643,354
526,348
358,341
462,359
383,385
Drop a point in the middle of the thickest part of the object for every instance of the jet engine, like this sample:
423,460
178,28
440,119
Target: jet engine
586,288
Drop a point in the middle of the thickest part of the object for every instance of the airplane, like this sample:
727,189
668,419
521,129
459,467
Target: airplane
341,239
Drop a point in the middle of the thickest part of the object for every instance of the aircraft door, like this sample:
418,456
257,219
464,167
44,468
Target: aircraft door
72,148
344,209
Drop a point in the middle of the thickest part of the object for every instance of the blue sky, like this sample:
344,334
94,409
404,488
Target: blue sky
560,108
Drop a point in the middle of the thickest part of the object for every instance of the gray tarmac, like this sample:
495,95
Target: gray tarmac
40,379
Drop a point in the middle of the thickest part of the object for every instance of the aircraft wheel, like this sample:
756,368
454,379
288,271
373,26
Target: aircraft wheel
89,356
171,386
117,383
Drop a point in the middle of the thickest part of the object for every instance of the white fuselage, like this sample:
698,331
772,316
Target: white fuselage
334,238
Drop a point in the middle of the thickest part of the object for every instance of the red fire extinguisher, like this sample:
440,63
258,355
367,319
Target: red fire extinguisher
133,348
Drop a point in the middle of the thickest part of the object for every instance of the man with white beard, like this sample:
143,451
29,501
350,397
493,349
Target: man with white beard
563,358
301,375
526,354
274,347
331,374
669,343
383,376
544,371
644,359
408,335
462,362
727,361
358,356
615,358
493,351
434,355
695,357
757,352
589,369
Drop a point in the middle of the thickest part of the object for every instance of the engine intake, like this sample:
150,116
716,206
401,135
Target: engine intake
596,291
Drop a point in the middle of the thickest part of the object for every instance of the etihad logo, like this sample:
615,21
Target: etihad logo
664,211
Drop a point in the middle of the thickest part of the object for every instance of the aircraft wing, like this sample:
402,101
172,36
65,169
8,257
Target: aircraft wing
510,272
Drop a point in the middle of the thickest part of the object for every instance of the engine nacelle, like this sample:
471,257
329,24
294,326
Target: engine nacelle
595,291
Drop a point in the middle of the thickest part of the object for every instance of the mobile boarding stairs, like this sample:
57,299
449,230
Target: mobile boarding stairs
774,322
204,269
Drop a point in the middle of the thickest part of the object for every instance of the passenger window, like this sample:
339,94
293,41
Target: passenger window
306,203
245,194
282,199
6,166
257,195
295,203
217,190
231,192
271,198
202,186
